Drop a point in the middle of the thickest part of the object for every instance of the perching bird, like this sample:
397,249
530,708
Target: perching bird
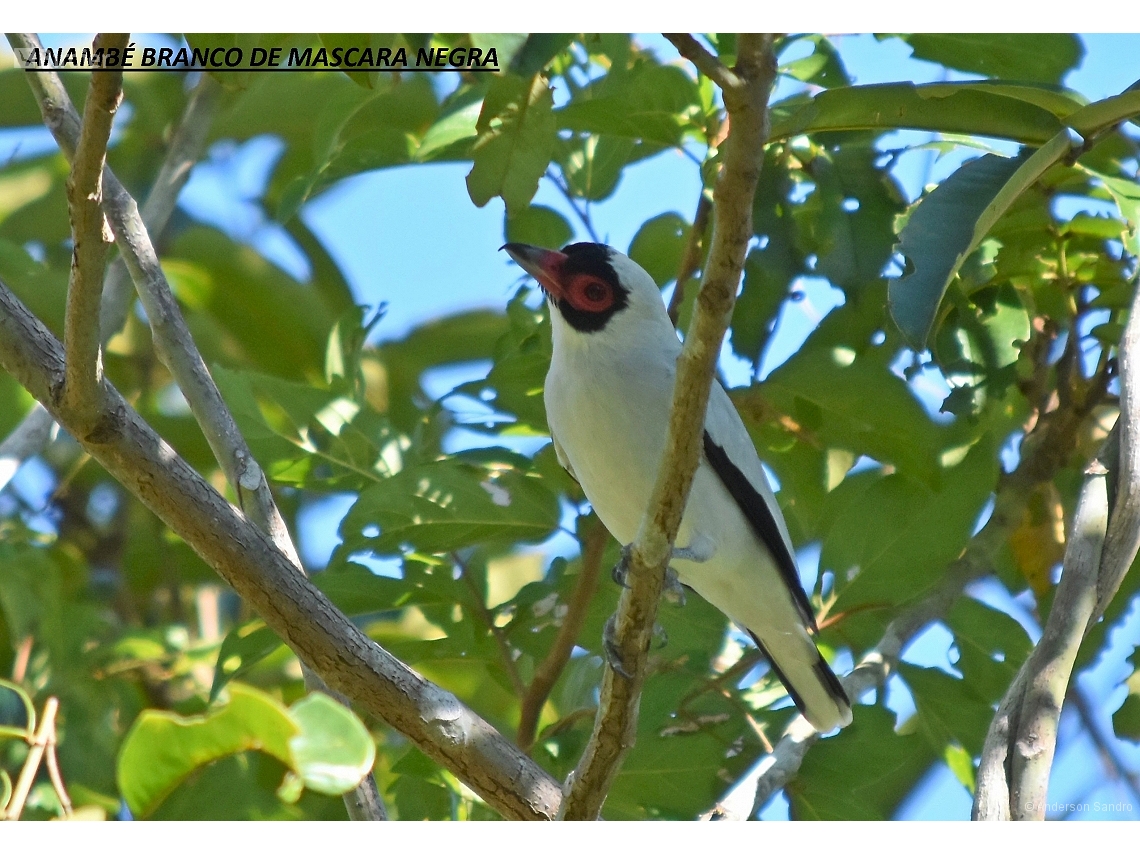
608,396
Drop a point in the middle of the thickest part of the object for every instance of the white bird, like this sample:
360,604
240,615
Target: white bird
608,396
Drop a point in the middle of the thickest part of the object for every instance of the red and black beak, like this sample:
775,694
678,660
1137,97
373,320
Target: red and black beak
545,265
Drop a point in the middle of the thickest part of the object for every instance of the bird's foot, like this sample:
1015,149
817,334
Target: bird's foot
613,655
700,549
674,591
620,573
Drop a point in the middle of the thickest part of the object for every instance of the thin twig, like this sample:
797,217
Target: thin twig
632,626
706,63
185,150
44,736
21,659
548,672
52,763
89,233
691,259
583,215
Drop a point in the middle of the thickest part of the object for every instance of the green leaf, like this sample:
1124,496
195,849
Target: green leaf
850,215
29,713
659,246
463,337
1127,197
892,538
516,140
522,357
853,401
949,224
1044,57
593,165
162,748
862,773
245,786
650,102
991,647
822,67
334,750
948,708
448,505
242,648
345,41
539,225
957,108
384,131
537,52
223,284
303,434
959,761
460,125
1126,720
507,47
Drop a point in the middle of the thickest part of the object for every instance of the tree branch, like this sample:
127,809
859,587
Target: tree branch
30,436
325,640
691,260
1045,449
89,234
707,64
184,151
1013,776
548,672
42,741
616,723
175,346
27,439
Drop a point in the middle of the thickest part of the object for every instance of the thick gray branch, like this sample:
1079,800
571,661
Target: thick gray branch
616,724
178,351
1013,776
1044,451
243,555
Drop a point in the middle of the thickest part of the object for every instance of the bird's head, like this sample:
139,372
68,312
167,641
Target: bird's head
593,287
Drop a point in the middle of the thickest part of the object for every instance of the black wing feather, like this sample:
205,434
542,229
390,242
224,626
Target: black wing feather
763,524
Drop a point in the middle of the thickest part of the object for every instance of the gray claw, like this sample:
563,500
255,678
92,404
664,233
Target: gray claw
611,648
620,573
674,591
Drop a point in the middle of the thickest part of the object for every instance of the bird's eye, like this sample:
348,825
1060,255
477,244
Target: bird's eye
591,294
